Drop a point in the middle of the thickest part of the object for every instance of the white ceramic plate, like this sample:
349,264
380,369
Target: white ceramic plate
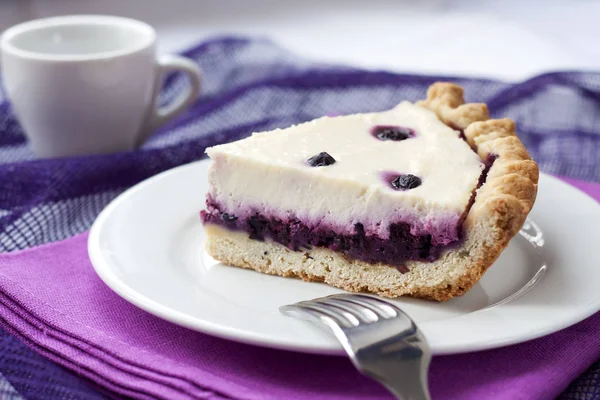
147,246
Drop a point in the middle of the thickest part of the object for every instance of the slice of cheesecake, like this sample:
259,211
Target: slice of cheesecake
418,200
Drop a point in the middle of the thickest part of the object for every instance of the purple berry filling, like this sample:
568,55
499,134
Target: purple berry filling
228,218
395,250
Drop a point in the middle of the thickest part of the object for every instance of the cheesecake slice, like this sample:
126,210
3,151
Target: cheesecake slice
418,200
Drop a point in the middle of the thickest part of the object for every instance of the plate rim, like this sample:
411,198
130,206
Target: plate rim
100,265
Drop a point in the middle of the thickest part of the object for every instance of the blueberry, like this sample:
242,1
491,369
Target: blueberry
228,217
258,225
321,160
395,133
406,182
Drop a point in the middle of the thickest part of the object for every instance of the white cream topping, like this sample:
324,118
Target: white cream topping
268,171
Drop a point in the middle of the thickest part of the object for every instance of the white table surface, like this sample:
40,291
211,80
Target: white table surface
506,39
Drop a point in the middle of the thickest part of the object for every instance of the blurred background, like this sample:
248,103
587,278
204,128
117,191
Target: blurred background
508,39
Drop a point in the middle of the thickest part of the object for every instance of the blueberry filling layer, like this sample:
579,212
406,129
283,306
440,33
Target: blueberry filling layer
294,234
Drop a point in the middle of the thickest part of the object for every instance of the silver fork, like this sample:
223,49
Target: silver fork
381,340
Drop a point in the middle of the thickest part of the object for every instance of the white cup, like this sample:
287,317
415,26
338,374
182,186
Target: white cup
88,84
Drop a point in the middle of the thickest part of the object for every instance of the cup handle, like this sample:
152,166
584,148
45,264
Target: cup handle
166,64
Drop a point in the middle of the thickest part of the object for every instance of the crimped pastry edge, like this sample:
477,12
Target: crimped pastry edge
502,203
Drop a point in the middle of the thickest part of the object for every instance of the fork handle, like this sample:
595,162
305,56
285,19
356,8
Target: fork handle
402,371
407,388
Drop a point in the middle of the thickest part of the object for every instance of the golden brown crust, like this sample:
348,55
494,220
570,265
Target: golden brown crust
447,101
509,192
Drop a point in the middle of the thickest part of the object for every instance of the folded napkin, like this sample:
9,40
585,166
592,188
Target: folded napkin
52,301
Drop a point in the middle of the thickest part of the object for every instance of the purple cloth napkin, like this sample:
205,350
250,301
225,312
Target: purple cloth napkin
51,298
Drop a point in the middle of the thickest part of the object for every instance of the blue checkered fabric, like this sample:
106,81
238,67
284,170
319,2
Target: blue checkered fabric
254,85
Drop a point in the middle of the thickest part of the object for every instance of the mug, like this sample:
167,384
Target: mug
88,84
